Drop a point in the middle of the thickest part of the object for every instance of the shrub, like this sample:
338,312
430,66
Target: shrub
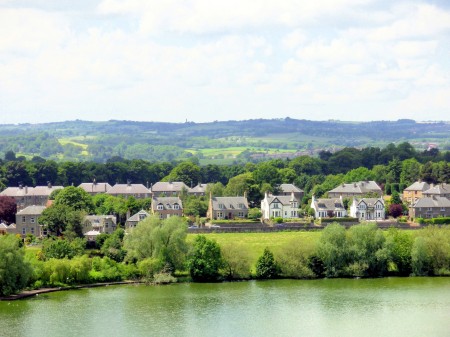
205,260
236,261
294,260
266,267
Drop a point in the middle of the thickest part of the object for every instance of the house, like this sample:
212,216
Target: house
414,191
27,221
28,196
328,207
167,206
168,189
227,207
135,219
40,194
439,190
358,189
287,189
368,209
127,190
100,223
279,206
199,190
430,207
95,187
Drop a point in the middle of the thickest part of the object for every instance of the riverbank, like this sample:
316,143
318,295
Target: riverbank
30,293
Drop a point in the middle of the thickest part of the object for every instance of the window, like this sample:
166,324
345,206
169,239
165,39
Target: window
240,214
32,219
176,206
276,205
24,231
241,206
221,206
24,219
219,215
32,230
159,207
285,213
142,216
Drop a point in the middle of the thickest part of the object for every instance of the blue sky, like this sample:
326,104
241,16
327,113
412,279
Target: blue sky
205,60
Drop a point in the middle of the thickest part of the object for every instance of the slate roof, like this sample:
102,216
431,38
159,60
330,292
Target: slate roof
167,202
95,187
432,202
3,226
440,189
360,187
369,201
200,188
32,210
135,217
229,203
16,191
170,186
418,186
99,218
44,191
329,204
128,189
283,199
288,188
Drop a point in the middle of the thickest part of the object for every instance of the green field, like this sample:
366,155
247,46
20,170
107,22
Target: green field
256,242
76,142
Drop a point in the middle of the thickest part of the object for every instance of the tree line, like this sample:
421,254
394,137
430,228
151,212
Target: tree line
158,251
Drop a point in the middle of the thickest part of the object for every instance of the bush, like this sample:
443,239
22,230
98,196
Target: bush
294,260
236,261
205,260
266,267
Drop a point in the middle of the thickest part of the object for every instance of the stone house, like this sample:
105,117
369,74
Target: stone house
168,189
95,187
415,191
166,207
28,196
227,208
358,189
127,190
439,190
27,221
328,207
199,190
430,207
288,189
135,219
368,209
100,223
273,206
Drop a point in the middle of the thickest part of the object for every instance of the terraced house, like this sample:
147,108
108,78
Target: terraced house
430,207
27,221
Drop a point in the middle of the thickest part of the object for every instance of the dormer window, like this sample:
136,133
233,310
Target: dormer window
221,206
176,206
159,207
142,216
241,206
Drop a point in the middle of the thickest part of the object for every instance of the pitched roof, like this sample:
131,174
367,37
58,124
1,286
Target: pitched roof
44,191
432,202
327,204
3,226
128,189
418,186
229,203
136,217
369,201
438,189
16,191
360,187
200,188
170,186
98,218
95,187
167,202
288,188
32,210
283,199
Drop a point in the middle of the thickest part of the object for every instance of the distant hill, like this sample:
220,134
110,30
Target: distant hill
216,142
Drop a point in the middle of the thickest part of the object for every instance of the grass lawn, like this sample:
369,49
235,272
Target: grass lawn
256,242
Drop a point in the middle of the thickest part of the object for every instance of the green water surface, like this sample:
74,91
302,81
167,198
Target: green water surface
340,307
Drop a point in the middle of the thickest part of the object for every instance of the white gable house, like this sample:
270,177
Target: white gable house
368,209
279,206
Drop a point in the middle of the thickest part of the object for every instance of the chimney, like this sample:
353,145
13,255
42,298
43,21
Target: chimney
26,189
128,182
95,182
266,195
49,184
20,186
245,194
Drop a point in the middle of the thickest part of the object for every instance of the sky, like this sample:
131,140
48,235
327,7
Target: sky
207,60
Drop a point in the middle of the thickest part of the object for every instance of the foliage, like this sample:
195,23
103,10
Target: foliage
113,246
266,267
294,259
333,250
75,198
254,213
62,219
395,210
8,209
61,248
164,240
205,260
14,269
236,261
399,245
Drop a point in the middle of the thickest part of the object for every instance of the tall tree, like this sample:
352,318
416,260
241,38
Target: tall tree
8,209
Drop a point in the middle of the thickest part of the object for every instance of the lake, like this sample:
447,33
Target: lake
330,307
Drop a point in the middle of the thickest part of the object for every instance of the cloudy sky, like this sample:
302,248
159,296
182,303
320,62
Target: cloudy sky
206,60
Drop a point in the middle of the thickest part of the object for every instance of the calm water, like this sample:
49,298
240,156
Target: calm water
382,307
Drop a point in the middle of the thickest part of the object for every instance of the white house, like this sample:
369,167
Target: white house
327,208
273,206
368,209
